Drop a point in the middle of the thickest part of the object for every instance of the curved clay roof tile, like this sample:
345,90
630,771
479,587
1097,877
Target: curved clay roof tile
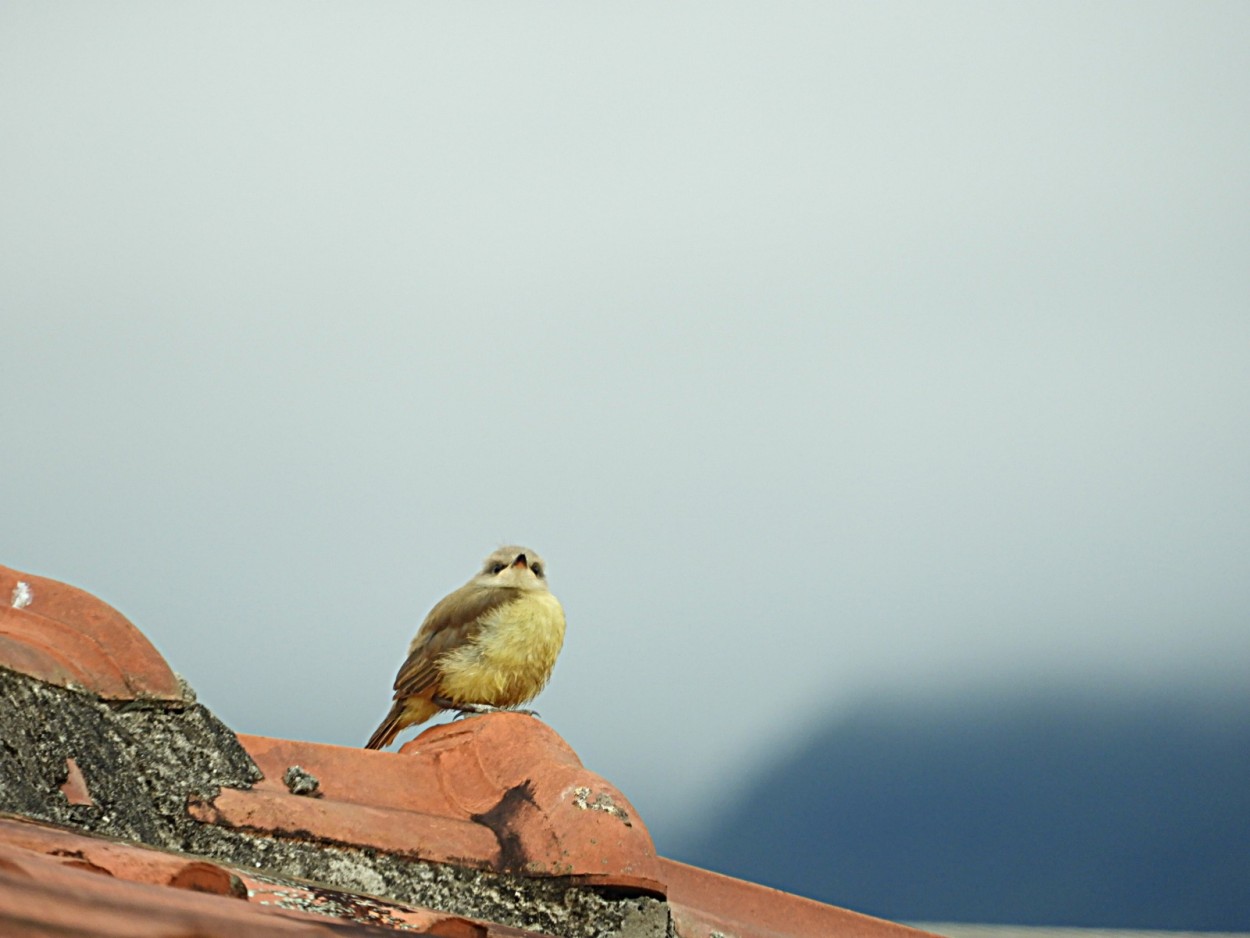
65,636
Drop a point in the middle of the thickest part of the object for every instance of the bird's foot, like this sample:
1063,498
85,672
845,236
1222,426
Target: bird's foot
473,709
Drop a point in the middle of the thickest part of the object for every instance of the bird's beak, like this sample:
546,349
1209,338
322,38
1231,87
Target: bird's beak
520,561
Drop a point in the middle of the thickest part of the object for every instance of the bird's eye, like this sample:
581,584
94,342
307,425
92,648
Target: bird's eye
538,570
498,567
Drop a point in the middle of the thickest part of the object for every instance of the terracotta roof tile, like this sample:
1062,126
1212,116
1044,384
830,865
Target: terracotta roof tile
67,637
706,903
53,880
492,819
501,792
74,788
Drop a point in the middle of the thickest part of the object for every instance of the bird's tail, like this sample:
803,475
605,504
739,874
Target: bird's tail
384,735
405,712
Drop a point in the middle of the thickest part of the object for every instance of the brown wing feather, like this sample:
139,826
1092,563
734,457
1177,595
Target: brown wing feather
455,620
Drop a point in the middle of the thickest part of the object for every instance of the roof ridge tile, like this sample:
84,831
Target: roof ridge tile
116,662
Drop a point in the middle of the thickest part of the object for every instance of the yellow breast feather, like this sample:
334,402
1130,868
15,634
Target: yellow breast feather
510,660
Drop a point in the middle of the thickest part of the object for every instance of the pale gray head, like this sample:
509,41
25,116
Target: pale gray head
514,566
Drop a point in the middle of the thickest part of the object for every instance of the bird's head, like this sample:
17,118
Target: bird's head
515,567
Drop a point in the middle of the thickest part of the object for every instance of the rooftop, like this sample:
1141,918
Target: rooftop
127,808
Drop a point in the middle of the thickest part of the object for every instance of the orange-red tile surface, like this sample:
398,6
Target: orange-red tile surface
65,636
74,788
706,903
55,882
502,792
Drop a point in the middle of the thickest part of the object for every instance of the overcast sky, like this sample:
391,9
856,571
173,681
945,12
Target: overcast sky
825,350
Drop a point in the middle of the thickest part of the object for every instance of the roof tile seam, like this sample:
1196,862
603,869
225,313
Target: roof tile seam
304,897
307,837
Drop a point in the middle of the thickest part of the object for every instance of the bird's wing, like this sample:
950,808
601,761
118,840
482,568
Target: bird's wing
456,619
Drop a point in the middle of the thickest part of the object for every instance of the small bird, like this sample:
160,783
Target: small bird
488,646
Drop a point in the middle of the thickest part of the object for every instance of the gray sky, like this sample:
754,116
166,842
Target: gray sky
825,351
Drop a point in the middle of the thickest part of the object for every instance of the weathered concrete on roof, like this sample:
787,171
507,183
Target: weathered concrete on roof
142,762
139,761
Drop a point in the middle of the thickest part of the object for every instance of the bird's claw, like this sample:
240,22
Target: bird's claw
474,709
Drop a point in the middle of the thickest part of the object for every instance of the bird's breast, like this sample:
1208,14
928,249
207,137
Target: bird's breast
510,659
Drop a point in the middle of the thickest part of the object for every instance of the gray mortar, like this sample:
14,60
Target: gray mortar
543,905
142,761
